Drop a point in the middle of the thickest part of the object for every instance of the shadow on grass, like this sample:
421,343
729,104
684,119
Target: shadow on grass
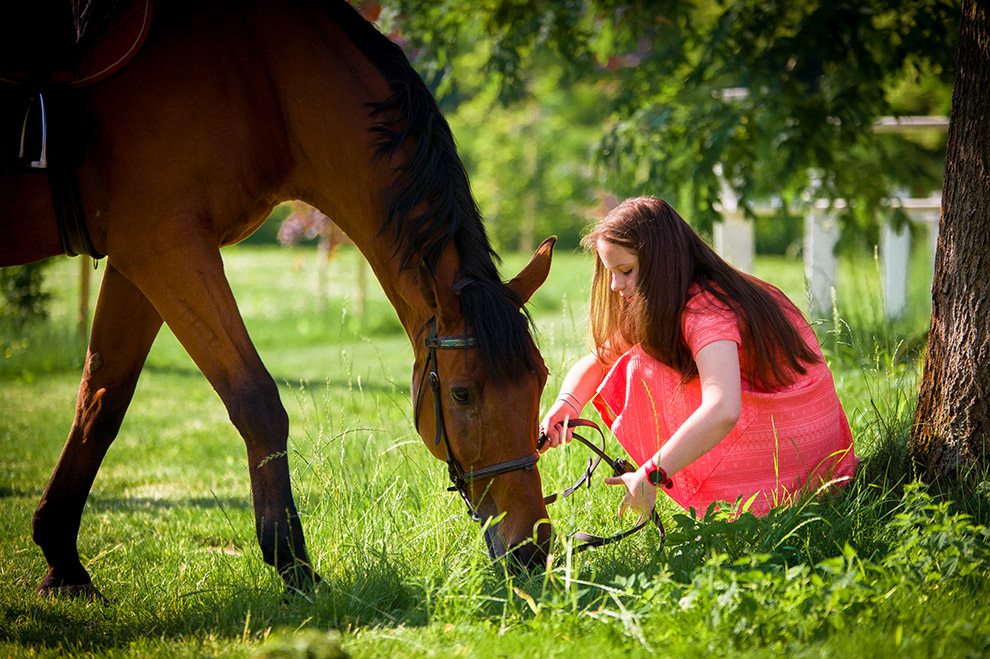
7,491
232,614
336,383
97,504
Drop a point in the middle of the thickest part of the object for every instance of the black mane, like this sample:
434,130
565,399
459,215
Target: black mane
434,177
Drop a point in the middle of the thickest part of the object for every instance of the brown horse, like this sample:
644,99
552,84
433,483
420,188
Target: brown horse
228,109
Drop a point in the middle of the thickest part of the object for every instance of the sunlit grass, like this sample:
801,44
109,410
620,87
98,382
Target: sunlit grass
168,532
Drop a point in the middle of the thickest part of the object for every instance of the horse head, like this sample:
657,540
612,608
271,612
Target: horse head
481,419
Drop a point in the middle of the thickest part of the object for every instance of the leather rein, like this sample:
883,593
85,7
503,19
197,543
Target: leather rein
619,466
460,479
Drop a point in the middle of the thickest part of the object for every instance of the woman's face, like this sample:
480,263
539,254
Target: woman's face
624,266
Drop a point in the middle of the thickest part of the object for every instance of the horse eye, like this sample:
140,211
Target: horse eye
460,395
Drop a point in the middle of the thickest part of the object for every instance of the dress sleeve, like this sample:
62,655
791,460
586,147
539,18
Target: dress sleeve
706,320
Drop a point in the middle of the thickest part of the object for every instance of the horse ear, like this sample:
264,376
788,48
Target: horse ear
535,272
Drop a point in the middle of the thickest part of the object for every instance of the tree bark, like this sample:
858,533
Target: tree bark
952,422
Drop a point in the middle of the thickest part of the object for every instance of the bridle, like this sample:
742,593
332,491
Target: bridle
619,467
461,479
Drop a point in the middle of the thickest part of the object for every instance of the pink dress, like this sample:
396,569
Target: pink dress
785,439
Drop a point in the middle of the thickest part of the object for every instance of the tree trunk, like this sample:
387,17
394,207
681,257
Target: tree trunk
952,423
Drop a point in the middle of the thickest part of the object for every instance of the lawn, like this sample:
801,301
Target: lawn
886,568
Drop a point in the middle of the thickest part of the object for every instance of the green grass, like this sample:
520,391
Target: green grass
881,569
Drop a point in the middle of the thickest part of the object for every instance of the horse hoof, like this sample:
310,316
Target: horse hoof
300,579
293,595
84,591
306,589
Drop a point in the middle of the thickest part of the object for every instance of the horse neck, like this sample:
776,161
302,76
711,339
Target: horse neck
339,171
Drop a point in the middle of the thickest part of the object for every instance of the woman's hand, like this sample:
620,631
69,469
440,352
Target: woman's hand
555,422
641,494
577,389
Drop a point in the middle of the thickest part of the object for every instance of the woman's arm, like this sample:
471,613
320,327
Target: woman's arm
721,405
579,386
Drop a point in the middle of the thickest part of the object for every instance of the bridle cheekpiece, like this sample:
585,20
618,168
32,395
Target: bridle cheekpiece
459,478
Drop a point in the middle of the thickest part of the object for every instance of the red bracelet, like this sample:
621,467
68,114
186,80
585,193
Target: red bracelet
656,475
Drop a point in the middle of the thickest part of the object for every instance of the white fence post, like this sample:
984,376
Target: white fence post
733,235
734,240
896,250
895,247
821,232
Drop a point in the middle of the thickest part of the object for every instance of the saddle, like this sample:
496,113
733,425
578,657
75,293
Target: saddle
69,43
48,48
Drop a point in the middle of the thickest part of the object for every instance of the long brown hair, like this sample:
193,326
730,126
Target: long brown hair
672,257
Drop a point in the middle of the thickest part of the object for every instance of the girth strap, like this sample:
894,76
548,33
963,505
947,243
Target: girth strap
69,215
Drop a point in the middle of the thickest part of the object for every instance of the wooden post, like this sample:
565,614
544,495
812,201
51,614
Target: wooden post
531,154
362,280
82,316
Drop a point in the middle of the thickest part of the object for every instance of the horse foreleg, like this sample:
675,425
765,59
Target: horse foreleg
124,327
193,296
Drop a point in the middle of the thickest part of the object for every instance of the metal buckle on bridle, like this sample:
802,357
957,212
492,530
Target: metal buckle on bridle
459,478
619,467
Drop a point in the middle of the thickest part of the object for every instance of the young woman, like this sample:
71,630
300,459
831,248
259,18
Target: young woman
711,379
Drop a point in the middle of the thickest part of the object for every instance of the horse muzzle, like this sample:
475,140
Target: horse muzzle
524,555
